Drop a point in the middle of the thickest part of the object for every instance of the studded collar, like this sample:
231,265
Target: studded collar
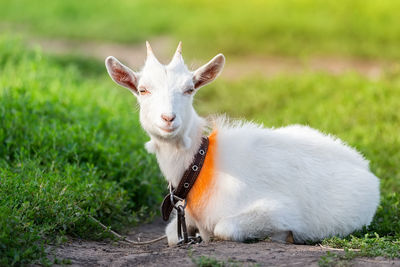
187,181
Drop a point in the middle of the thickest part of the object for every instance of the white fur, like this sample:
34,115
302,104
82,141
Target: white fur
267,181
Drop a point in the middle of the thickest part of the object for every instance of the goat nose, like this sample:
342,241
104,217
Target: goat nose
168,117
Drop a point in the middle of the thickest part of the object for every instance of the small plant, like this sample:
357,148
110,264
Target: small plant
367,246
208,261
204,261
334,259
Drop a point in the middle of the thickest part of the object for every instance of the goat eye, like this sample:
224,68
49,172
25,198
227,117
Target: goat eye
143,91
189,91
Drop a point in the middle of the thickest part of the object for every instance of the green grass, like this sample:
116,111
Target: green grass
70,138
205,261
332,259
370,245
210,261
363,28
67,140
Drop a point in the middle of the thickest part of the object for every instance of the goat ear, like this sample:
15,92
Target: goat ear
209,71
122,74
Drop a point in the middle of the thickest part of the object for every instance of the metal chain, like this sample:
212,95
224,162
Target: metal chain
181,221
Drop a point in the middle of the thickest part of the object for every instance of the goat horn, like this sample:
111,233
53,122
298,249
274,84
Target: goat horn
150,53
149,49
179,49
178,55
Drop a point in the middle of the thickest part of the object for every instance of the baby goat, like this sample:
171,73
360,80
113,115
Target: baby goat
256,182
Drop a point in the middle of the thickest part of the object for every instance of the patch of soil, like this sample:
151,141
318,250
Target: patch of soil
264,253
134,56
272,66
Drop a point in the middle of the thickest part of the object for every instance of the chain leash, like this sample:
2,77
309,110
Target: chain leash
181,221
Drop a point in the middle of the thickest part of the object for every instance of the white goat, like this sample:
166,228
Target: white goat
264,182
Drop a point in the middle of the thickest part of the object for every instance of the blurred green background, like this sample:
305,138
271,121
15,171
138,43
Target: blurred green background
364,28
70,138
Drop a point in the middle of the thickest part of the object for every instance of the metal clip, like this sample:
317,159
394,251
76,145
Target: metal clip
173,198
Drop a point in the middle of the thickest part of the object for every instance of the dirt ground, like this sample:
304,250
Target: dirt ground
134,56
264,253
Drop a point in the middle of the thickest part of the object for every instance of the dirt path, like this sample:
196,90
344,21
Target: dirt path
265,253
235,68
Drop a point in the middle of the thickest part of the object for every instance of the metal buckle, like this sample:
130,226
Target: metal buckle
172,198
